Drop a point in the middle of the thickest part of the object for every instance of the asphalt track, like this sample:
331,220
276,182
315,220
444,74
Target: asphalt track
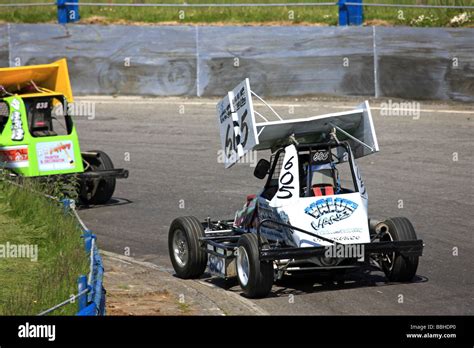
170,147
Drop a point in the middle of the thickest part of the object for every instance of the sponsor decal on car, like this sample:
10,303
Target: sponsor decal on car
321,156
17,126
216,265
14,156
55,155
329,210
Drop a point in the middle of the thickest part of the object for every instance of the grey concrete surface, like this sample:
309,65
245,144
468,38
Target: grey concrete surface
143,288
415,63
174,171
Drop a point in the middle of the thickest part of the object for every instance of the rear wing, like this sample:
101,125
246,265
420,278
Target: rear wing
240,133
45,78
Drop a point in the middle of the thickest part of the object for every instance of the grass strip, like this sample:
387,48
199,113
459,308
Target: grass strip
288,15
29,286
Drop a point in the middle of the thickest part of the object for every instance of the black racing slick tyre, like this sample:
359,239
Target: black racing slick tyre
187,256
255,276
106,187
397,267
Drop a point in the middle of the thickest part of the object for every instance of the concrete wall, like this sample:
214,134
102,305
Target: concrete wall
414,63
162,59
4,60
287,60
422,62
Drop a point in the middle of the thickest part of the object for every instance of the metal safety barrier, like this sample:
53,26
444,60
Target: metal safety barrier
287,4
350,12
26,4
94,302
91,294
467,7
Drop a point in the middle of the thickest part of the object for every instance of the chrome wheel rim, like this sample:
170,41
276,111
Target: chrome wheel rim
243,266
180,248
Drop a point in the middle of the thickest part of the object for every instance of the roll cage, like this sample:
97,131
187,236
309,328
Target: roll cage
42,120
310,150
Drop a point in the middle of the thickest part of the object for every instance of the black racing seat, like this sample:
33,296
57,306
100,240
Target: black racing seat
40,118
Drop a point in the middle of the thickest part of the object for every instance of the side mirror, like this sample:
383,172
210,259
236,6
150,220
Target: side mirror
262,168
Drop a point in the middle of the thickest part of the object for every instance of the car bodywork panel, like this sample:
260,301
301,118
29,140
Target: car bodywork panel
35,98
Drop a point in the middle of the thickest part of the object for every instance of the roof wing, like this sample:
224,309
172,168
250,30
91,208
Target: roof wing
53,77
355,126
241,133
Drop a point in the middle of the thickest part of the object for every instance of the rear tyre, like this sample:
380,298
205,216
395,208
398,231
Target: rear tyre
106,187
255,276
399,268
188,258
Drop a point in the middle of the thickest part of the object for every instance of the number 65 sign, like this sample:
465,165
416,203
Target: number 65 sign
237,123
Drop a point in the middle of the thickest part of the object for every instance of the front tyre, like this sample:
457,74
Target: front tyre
188,258
255,276
399,268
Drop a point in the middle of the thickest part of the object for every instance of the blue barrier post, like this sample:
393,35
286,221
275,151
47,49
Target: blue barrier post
350,14
68,13
67,204
81,286
99,291
62,12
87,235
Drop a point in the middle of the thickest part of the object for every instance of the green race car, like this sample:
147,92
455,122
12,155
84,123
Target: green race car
37,134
